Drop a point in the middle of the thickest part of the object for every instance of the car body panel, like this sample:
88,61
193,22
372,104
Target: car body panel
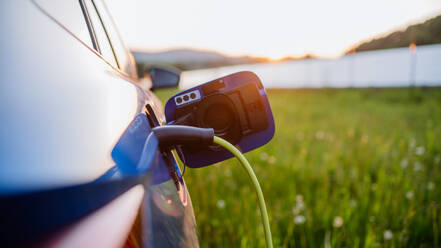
64,109
116,218
78,104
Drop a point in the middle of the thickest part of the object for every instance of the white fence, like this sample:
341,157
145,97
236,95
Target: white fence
381,68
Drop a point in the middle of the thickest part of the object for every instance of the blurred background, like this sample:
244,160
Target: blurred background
355,91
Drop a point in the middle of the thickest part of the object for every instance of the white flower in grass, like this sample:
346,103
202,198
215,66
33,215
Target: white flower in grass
220,204
404,163
271,159
420,150
338,222
410,195
388,235
299,219
228,172
430,186
417,166
320,135
300,205
364,138
437,159
263,156
295,210
352,203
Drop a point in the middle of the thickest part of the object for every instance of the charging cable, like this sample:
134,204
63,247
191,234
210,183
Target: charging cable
175,135
244,162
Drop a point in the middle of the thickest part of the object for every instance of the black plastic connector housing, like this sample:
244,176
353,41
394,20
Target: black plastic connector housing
176,135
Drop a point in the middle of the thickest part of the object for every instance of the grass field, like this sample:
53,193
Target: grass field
346,168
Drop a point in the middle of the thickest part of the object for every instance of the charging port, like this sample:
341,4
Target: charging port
151,117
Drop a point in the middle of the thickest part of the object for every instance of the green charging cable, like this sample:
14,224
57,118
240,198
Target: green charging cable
173,135
244,162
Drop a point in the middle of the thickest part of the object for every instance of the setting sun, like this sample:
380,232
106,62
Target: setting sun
273,29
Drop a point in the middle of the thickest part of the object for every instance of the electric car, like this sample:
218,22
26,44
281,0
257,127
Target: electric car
76,170
86,151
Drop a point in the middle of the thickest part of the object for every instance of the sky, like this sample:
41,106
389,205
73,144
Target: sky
274,29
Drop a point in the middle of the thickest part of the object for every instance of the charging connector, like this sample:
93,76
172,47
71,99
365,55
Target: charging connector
175,135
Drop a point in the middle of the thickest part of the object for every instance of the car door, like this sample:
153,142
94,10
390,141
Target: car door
76,134
170,219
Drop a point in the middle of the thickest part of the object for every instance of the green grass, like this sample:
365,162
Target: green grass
346,168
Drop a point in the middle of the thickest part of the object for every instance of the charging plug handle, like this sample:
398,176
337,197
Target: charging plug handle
176,135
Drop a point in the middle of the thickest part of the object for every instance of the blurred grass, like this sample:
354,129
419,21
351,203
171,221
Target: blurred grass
346,168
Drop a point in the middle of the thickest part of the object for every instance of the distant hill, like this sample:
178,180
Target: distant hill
190,59
425,33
